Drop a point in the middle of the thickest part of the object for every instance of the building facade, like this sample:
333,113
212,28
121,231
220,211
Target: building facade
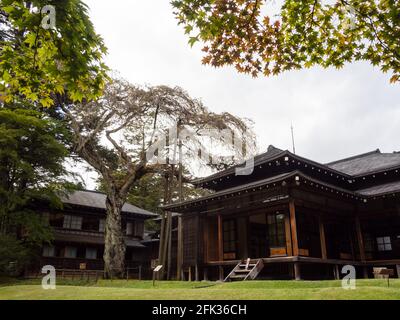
302,219
79,233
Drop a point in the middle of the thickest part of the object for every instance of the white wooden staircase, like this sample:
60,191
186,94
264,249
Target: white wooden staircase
246,270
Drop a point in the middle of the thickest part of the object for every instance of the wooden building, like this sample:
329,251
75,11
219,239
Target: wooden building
298,218
79,233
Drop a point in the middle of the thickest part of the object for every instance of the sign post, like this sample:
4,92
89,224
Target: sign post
156,270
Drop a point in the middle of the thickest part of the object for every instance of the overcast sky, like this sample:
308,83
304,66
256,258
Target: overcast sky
335,113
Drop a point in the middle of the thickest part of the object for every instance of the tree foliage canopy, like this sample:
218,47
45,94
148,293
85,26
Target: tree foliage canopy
32,151
245,33
36,62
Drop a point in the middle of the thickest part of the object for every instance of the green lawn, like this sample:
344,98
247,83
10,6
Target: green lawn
269,290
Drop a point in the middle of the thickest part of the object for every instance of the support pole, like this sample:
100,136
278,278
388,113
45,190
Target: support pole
179,261
297,273
322,238
288,236
220,240
293,228
360,239
221,273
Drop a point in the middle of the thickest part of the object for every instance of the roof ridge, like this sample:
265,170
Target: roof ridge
92,191
354,157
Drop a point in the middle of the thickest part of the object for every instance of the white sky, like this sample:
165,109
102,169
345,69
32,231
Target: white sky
336,113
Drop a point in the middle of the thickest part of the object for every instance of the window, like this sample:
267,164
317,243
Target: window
102,225
49,251
90,224
72,222
70,252
139,229
276,230
384,243
91,253
56,220
129,228
229,228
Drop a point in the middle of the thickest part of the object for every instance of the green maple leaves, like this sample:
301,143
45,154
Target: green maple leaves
38,63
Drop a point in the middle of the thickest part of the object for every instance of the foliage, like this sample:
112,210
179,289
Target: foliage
13,255
32,151
306,33
36,62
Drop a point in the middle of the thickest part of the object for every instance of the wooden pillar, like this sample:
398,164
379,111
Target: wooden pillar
220,239
351,238
205,274
322,238
221,273
360,239
297,273
293,228
289,250
336,272
179,258
365,272
196,273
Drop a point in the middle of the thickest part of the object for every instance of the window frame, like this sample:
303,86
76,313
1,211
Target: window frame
277,238
72,222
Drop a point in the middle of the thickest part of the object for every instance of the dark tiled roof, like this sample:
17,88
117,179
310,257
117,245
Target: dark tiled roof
381,189
242,187
271,153
94,199
366,163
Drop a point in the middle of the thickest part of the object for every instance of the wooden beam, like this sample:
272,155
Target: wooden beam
288,235
220,239
293,228
322,238
360,239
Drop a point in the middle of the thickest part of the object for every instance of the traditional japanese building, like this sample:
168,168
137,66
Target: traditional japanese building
79,233
294,218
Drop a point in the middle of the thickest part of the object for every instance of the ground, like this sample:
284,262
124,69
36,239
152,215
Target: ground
135,290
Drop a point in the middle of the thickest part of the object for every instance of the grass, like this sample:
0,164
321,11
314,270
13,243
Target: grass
171,290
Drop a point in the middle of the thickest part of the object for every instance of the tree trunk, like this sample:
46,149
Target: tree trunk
114,248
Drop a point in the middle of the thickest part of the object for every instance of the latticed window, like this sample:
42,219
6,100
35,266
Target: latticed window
276,230
384,243
229,228
70,252
91,253
102,225
72,222
49,251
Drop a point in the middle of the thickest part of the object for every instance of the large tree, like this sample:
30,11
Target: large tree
46,50
247,35
116,133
